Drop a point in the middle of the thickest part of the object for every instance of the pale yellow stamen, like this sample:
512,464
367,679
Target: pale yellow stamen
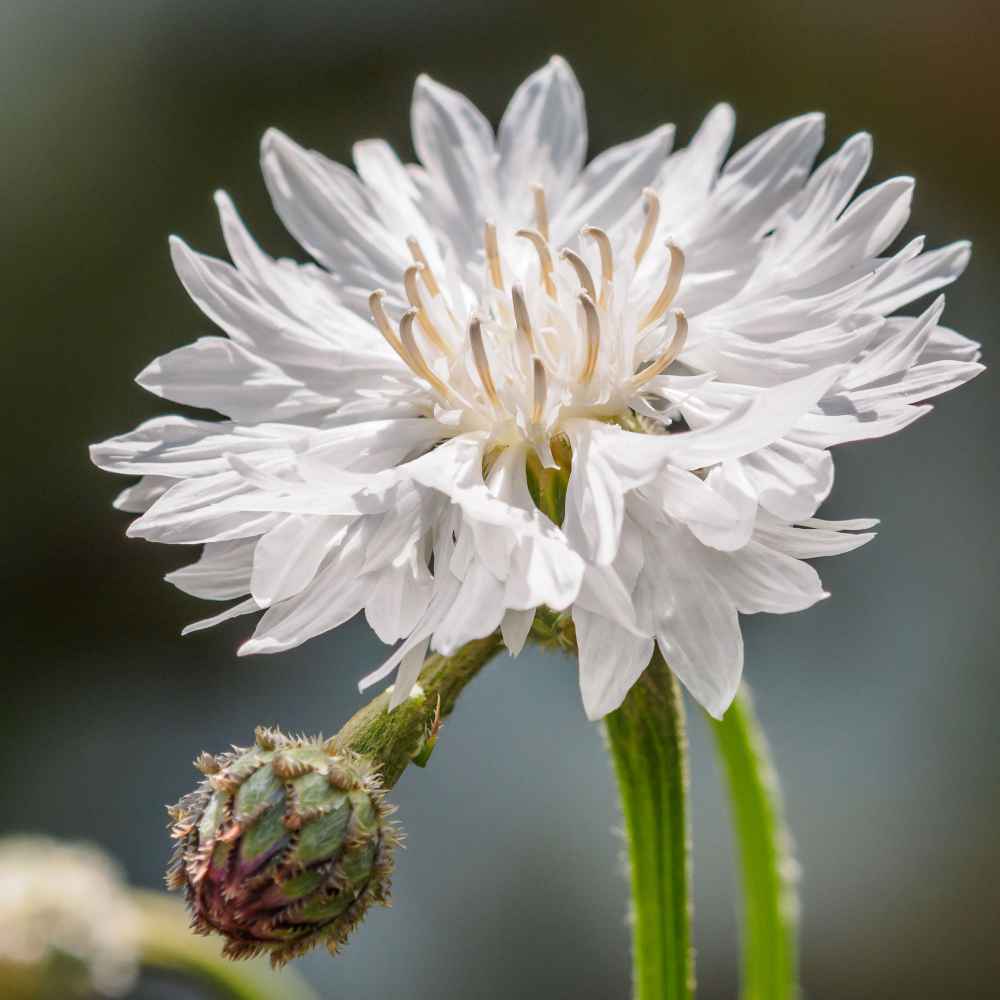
670,288
481,361
521,316
416,359
417,253
541,211
649,226
493,255
593,324
600,237
544,258
410,284
539,390
582,274
674,348
383,324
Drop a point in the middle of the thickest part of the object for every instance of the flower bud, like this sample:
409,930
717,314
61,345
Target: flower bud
285,844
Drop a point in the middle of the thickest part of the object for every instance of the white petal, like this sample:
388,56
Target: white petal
139,497
542,137
218,374
222,572
611,661
456,146
287,557
515,627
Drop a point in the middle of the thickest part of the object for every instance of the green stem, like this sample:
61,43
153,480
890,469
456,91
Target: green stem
166,942
770,906
648,746
396,738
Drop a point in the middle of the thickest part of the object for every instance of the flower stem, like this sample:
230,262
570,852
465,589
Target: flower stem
394,739
166,942
648,746
770,907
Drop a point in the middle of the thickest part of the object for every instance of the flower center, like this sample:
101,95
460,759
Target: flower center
548,336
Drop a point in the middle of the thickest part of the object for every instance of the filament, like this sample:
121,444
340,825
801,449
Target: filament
539,390
652,208
541,246
521,316
593,326
674,274
493,256
415,358
600,237
481,361
674,348
541,211
582,274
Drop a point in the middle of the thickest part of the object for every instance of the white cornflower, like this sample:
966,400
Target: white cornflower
516,381
69,925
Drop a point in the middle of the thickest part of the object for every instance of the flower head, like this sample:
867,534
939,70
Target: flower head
513,380
70,927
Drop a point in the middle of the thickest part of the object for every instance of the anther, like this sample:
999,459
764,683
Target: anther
539,390
674,348
541,246
652,207
521,315
410,283
593,325
541,211
383,324
415,358
481,361
493,255
600,237
673,283
582,274
416,251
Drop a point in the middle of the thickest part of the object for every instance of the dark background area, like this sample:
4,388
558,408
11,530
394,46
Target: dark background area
117,122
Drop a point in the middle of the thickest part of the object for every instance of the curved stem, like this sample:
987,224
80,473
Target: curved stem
768,870
648,746
396,738
166,942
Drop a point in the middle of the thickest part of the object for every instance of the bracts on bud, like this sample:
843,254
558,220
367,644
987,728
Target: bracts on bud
284,845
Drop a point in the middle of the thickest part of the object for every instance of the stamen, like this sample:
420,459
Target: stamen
673,283
493,256
593,337
383,324
539,390
410,276
428,275
649,226
541,246
674,348
416,359
541,211
582,274
481,361
600,237
521,315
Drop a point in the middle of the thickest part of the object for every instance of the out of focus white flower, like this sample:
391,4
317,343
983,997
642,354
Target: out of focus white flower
515,380
69,926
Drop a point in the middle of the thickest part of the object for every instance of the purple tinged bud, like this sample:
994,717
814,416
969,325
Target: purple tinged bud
285,845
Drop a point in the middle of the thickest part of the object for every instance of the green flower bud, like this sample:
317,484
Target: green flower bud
284,845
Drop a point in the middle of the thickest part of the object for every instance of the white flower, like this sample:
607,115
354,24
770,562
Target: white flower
515,380
70,926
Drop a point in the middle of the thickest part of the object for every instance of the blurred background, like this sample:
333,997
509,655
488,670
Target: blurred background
118,120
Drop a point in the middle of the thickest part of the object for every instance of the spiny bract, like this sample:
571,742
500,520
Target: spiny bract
284,845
